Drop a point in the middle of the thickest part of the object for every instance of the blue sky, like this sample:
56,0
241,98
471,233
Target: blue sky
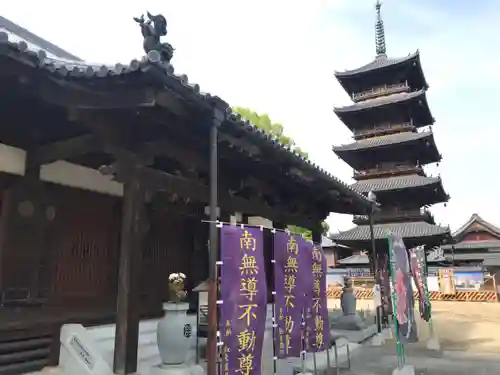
278,56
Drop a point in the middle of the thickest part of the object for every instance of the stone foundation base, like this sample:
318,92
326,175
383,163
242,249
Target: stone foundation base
356,336
405,370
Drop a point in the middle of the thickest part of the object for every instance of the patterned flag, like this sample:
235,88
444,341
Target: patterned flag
402,291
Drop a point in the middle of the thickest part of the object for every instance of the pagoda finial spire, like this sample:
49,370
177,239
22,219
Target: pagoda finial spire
379,32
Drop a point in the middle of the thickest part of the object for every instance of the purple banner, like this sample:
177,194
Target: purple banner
403,291
243,292
292,282
317,322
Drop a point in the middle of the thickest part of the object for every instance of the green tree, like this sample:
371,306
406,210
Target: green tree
263,122
306,233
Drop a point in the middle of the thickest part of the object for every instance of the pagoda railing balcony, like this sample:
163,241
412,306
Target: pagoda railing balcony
378,91
395,170
393,216
384,129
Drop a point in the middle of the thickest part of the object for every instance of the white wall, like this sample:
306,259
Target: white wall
12,160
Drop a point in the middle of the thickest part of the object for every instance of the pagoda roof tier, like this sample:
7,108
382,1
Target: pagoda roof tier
394,183
382,70
409,105
420,190
410,146
411,230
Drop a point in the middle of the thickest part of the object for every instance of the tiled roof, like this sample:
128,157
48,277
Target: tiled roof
381,101
36,57
393,183
364,259
475,218
384,141
473,256
492,262
472,245
34,41
405,230
326,242
355,259
379,63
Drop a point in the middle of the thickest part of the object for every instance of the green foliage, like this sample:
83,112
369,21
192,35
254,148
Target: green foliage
263,122
306,233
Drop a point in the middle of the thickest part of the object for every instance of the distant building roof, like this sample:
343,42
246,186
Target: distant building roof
473,245
364,259
35,43
479,257
327,242
475,218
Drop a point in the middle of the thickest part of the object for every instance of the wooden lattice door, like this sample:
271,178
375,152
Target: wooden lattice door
85,248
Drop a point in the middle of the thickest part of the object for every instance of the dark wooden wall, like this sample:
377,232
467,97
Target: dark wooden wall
79,261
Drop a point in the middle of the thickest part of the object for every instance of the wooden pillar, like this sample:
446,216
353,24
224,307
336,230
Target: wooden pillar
23,220
133,230
317,233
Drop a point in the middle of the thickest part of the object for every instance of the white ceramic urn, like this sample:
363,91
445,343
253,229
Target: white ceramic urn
174,333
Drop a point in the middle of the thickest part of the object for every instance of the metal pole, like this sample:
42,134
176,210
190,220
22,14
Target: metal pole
376,272
213,255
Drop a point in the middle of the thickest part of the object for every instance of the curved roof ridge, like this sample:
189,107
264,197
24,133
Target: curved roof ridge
379,62
381,101
414,229
384,140
30,37
394,183
476,218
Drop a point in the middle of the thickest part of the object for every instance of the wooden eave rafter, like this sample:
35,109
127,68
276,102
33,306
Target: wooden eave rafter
157,180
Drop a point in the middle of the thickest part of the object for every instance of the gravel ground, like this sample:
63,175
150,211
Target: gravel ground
469,333
471,327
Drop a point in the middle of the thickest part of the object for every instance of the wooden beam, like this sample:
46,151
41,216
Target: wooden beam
67,149
73,95
155,180
114,143
128,300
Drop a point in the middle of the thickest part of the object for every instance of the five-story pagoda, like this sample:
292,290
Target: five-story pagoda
393,140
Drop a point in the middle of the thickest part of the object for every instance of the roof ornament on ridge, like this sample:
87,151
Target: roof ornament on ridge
152,30
379,33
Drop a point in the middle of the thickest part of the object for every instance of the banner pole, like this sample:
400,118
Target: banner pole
425,269
274,322
303,351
